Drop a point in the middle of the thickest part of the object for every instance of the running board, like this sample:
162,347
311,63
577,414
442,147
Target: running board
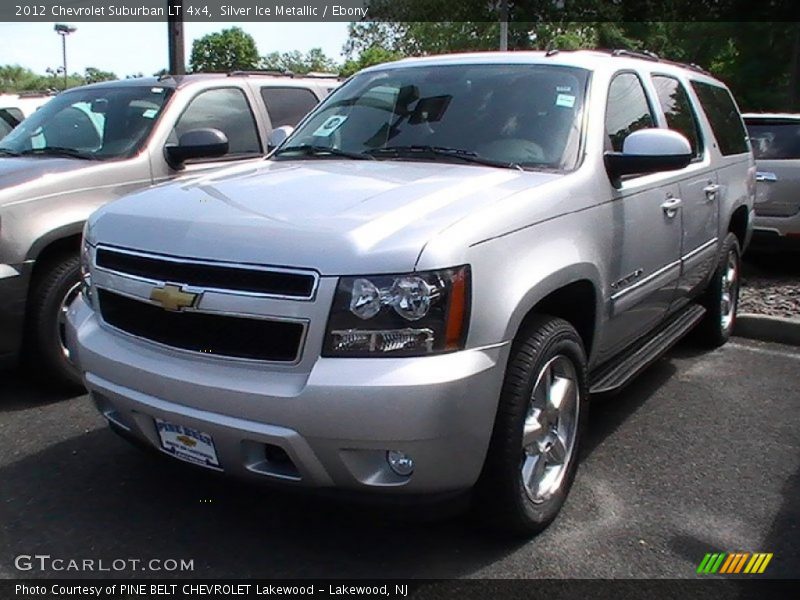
616,375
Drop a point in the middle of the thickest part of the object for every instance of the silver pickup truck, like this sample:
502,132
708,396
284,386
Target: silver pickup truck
96,143
418,292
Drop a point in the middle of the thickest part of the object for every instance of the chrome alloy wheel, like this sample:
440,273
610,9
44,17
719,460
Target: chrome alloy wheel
61,319
550,428
730,291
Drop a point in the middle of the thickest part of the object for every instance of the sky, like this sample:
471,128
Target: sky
129,48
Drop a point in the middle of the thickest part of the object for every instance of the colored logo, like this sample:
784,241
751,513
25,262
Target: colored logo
186,441
171,297
734,563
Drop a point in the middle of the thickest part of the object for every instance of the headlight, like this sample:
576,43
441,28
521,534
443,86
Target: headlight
399,315
86,273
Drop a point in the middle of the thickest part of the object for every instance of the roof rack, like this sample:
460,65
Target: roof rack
645,55
320,75
652,56
272,72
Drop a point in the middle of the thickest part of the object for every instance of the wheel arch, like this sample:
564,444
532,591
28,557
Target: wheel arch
571,294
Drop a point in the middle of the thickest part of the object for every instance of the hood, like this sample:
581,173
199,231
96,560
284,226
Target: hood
26,175
336,216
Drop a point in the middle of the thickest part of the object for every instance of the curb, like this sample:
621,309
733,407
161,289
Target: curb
780,330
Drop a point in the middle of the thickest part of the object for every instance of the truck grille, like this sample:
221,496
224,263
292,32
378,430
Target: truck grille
219,276
238,337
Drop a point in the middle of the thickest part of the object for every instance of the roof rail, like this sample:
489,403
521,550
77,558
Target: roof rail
644,55
319,75
272,72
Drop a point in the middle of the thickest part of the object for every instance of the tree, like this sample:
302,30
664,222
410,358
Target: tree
369,57
93,75
228,50
296,62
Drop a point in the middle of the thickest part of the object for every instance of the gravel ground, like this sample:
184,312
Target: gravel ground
771,286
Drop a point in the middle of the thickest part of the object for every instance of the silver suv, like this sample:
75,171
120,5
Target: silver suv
775,138
94,144
419,290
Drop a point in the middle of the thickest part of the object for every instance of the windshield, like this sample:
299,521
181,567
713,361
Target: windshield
101,123
525,116
775,139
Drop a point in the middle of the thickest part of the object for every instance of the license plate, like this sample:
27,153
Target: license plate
187,444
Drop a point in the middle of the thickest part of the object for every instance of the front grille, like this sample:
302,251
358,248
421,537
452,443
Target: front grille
207,275
239,337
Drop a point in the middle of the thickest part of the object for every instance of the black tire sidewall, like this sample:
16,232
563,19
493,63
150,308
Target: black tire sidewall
712,331
501,482
47,293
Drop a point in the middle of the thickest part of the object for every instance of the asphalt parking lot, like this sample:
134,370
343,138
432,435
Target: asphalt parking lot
700,454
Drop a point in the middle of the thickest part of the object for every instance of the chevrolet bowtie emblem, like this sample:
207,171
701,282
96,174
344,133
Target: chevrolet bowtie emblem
171,297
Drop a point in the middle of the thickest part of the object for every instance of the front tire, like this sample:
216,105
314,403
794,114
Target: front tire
721,298
55,286
533,453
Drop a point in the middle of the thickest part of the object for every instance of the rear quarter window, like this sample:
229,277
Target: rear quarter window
726,122
286,106
774,139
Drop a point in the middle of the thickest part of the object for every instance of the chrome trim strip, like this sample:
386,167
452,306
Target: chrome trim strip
304,323
699,249
174,259
646,280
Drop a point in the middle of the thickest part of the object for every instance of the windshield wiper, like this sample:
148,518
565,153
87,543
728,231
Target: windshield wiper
313,150
8,152
57,151
417,151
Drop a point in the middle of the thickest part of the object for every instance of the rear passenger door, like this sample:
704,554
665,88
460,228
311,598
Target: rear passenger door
698,189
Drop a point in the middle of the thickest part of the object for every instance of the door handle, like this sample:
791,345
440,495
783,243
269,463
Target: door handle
671,206
766,176
711,191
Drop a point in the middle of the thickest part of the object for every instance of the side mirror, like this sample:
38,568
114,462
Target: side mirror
197,143
278,135
649,151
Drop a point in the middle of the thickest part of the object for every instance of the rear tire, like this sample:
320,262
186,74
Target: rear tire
533,453
721,298
55,286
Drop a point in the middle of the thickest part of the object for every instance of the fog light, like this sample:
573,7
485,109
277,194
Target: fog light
400,462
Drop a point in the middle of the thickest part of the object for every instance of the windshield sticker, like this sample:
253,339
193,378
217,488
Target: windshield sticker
563,88
149,113
157,90
330,125
565,100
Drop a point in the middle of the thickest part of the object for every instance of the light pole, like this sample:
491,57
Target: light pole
64,30
503,25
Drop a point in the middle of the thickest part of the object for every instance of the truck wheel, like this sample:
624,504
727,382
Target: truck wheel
533,453
721,298
54,288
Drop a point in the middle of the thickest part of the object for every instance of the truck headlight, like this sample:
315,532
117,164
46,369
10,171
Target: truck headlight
86,273
399,315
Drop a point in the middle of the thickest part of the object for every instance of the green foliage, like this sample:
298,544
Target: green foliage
760,61
371,56
14,79
92,75
314,60
228,50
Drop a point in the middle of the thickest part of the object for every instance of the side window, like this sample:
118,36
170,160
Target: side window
286,106
726,123
226,109
678,110
627,110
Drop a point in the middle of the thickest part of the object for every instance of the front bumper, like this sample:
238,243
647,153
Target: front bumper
335,421
14,280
